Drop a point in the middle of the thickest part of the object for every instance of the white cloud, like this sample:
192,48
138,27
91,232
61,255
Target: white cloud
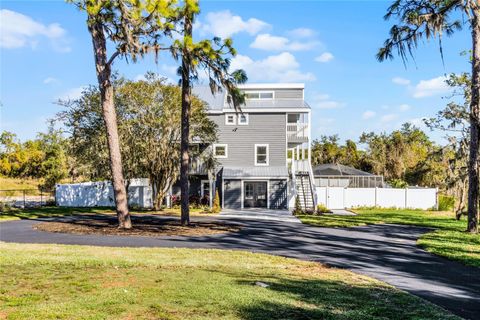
325,57
18,30
301,33
431,87
224,24
266,41
282,68
368,114
72,94
50,80
388,117
323,101
404,107
418,122
401,81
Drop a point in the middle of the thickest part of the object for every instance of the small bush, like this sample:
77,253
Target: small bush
446,203
321,208
216,203
398,183
297,210
5,206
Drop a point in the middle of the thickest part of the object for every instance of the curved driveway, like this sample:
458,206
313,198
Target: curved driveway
385,252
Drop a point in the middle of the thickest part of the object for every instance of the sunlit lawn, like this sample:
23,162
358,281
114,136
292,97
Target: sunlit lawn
79,282
448,240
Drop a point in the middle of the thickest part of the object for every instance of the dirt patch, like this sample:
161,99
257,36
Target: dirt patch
141,227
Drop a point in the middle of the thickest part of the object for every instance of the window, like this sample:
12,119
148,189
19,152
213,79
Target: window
230,119
259,95
261,154
220,150
243,119
293,117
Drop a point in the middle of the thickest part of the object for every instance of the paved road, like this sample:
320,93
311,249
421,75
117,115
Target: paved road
386,252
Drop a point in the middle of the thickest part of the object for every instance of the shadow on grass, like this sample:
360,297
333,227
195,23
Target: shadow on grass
328,299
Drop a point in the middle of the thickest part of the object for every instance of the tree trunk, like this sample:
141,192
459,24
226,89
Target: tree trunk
186,95
474,157
110,119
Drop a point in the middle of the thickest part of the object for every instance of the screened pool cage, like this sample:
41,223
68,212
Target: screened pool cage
337,175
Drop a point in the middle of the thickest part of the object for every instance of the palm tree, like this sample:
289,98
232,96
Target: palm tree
134,28
209,56
431,19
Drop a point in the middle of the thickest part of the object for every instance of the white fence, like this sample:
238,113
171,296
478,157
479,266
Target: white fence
413,198
100,194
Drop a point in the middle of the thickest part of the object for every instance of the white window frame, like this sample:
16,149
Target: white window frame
259,92
268,154
246,118
234,119
220,145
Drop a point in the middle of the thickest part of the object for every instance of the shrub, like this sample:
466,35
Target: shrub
398,183
321,208
445,203
216,203
297,210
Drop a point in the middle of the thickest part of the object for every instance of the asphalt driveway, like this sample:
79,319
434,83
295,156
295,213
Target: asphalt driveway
385,252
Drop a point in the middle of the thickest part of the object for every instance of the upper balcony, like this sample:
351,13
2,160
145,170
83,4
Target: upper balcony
298,130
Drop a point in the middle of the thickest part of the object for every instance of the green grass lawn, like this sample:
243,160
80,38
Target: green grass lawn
448,240
80,282
44,212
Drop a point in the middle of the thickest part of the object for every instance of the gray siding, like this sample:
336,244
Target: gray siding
263,128
278,194
282,93
288,94
233,193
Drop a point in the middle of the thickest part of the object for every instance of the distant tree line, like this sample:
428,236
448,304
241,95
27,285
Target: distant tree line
44,158
407,156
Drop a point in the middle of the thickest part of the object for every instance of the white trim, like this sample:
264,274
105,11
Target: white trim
220,145
268,154
259,93
241,194
223,192
240,116
234,115
268,192
261,86
262,178
267,110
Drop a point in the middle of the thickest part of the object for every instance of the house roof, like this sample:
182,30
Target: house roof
217,101
255,172
332,169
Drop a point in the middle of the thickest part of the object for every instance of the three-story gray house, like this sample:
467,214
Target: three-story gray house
263,150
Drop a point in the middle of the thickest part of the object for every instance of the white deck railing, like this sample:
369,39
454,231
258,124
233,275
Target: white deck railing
297,131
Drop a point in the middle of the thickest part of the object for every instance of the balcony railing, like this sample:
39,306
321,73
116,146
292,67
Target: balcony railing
297,132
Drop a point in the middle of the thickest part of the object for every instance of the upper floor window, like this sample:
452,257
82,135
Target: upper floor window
259,95
230,119
243,119
220,150
261,155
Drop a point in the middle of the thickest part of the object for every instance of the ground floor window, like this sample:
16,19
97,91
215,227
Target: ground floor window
261,154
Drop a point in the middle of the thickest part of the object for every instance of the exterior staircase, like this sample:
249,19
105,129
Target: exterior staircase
304,188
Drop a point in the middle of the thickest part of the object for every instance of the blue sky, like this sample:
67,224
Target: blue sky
46,54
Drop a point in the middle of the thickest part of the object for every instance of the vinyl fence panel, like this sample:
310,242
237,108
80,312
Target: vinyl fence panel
100,194
421,198
360,197
414,198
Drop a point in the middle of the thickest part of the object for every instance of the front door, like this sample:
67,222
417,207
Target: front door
255,194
